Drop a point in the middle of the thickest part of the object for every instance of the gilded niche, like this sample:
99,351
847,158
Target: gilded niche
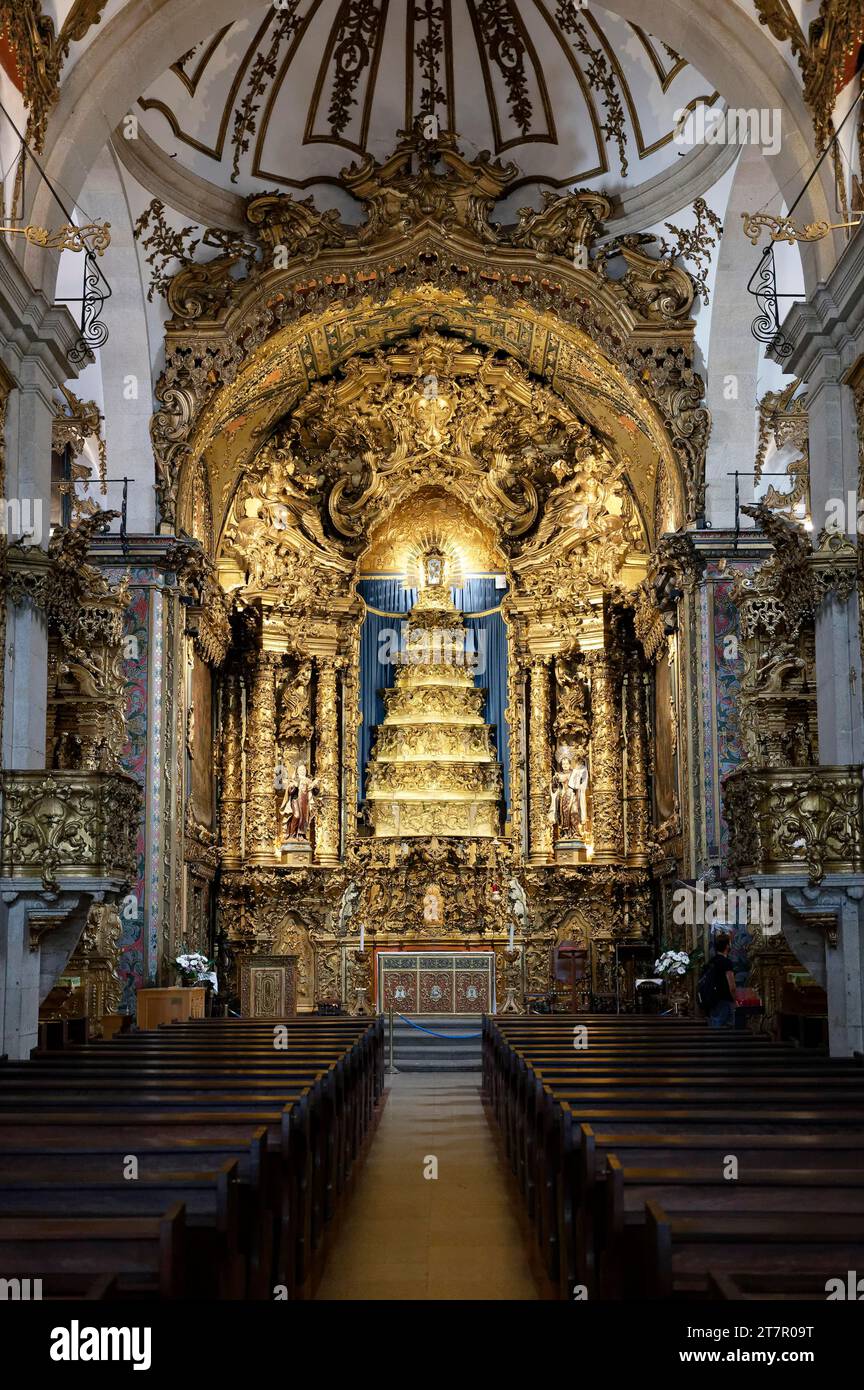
439,418
412,787
427,462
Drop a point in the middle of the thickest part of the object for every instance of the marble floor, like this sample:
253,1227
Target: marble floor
456,1235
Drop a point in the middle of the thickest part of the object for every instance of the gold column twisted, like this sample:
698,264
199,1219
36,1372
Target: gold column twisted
231,798
638,813
261,827
539,763
327,837
606,768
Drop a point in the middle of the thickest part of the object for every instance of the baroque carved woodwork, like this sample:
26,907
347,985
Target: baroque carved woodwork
822,52
796,821
786,813
783,423
384,391
90,984
448,203
41,53
84,615
66,824
606,756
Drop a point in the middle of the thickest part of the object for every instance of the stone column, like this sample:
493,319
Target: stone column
327,762
35,341
827,341
539,763
638,814
30,415
606,760
261,827
231,799
834,475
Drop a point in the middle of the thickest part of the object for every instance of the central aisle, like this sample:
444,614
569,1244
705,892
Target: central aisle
406,1236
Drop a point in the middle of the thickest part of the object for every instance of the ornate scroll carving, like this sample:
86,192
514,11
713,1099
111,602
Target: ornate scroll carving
232,792
295,226
776,606
190,375
636,734
69,824
783,419
822,53
84,613
83,421
572,722
678,391
409,187
656,288
327,762
796,820
606,761
539,762
673,569
566,224
261,828
207,607
833,567
41,53
785,814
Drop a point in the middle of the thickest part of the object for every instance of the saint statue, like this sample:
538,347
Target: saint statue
569,806
432,906
347,908
298,804
518,903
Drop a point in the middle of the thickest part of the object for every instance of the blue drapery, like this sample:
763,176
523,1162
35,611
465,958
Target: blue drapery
381,635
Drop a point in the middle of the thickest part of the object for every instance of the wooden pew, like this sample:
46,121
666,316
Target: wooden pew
93,1157
657,1086
746,1286
620,1239
214,1263
144,1255
315,1097
681,1248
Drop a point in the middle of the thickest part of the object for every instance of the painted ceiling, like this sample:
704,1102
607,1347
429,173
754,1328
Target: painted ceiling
287,96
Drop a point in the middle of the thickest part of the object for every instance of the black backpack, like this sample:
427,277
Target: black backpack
706,989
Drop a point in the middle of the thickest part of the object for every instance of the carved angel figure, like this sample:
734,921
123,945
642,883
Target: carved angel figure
588,503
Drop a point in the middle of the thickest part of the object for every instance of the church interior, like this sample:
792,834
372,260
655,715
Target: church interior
432,782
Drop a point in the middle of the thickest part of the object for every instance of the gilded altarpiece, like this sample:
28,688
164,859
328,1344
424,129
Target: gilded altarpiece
431,397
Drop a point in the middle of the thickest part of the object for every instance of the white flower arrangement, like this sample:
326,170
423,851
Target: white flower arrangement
672,963
198,968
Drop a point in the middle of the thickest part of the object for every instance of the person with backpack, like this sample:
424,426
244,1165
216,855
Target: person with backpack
716,989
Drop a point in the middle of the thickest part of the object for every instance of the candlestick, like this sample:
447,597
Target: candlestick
362,935
510,946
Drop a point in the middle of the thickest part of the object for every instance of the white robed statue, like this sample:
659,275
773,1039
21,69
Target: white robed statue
568,809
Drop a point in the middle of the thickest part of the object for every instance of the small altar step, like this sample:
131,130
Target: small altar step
415,1051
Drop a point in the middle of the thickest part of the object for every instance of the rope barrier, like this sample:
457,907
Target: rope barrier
446,1036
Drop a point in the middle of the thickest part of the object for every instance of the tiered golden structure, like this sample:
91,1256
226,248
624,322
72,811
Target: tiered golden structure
433,769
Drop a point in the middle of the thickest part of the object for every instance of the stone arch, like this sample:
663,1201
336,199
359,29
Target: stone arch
735,358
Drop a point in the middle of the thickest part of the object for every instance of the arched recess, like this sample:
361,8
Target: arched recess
729,47
281,369
735,357
125,362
